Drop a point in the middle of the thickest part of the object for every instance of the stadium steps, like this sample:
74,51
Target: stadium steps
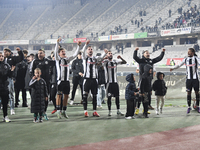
4,21
65,25
36,21
122,15
131,14
154,15
92,23
174,15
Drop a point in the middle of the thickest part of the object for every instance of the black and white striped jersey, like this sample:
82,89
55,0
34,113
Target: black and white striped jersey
110,68
89,65
191,64
62,64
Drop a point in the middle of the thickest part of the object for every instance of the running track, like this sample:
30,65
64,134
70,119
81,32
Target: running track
178,139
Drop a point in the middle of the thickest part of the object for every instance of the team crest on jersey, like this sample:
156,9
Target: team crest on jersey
6,67
46,62
64,65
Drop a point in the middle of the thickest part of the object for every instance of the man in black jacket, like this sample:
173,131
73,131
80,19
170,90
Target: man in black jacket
44,65
12,61
146,60
5,73
77,69
19,78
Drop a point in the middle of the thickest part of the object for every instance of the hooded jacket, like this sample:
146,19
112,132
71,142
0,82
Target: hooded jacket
130,88
38,95
145,85
159,86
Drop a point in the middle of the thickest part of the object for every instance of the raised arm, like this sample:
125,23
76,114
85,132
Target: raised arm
76,52
56,50
84,48
159,58
122,60
135,57
18,58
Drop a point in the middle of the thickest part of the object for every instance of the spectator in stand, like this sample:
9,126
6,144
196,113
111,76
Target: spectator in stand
144,13
170,12
141,20
135,21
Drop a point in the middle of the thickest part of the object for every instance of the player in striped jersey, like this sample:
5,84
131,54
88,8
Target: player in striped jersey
112,87
192,78
62,67
90,77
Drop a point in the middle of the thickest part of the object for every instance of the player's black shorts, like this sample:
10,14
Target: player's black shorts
112,89
192,83
64,87
90,84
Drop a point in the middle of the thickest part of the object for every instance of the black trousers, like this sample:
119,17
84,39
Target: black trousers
145,102
4,101
149,97
23,96
77,81
130,109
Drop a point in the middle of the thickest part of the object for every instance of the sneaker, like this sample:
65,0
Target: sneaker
35,120
95,114
99,106
198,109
137,111
55,110
160,110
40,120
12,112
147,111
86,114
188,110
120,113
110,113
129,117
58,114
45,116
133,117
157,111
6,119
64,115
71,102
150,107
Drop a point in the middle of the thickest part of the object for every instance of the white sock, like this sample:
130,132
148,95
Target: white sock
94,110
85,111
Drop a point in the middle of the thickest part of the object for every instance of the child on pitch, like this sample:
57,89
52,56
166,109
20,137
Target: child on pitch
130,95
39,95
160,90
145,87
